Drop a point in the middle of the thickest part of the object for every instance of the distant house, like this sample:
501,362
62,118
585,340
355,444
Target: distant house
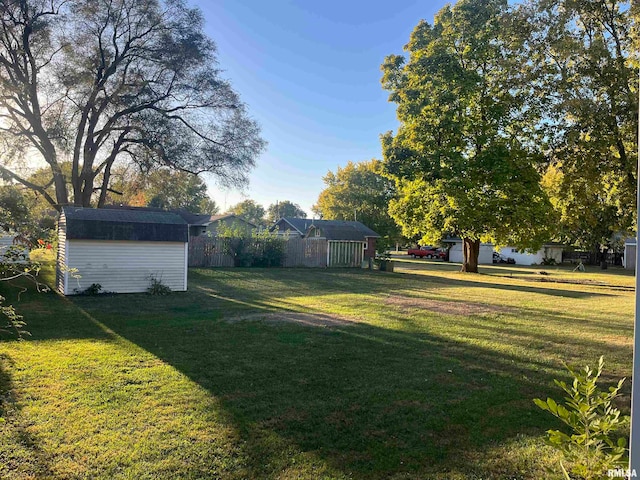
121,249
292,226
210,224
349,242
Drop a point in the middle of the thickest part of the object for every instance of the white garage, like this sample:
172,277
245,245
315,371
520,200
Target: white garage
121,249
456,254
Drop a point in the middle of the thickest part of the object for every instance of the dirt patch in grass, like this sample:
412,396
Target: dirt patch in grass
308,319
439,306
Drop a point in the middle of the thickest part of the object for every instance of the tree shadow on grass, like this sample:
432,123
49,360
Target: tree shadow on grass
362,400
366,401
20,453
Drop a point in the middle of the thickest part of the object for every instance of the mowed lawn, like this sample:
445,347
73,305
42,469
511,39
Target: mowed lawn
272,373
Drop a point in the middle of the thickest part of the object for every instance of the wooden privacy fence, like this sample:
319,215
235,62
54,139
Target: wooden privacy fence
208,252
306,252
298,252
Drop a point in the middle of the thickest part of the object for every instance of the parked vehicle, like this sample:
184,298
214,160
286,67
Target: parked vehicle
427,251
498,258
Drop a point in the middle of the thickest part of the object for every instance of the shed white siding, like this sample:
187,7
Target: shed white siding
125,266
485,255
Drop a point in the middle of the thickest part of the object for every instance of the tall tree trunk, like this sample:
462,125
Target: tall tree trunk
471,251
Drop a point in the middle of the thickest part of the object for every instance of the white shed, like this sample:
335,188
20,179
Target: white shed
630,254
121,249
551,250
485,256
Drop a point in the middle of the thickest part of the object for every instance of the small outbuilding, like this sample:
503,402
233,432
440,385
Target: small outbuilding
629,260
121,249
348,242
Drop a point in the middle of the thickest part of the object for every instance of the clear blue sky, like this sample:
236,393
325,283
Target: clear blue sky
310,75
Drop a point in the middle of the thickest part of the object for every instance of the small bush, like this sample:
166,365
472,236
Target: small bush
156,287
549,261
596,443
91,290
14,322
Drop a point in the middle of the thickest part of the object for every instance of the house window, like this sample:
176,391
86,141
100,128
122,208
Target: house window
317,230
514,250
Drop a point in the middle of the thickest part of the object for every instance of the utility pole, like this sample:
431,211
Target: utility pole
634,441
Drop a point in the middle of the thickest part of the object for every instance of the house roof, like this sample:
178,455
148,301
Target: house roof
300,225
194,218
135,223
332,229
216,218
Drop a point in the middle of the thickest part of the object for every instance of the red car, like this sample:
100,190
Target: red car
427,251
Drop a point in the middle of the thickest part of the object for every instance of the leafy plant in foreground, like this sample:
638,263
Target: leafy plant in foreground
595,446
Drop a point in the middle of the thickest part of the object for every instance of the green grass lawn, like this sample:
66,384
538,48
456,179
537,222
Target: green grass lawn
268,373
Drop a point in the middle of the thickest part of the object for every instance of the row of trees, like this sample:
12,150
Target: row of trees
258,215
518,123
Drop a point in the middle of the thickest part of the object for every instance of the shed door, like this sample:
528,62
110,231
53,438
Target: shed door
346,254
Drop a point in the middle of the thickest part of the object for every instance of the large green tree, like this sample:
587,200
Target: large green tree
93,82
250,211
284,208
359,191
163,188
462,158
583,63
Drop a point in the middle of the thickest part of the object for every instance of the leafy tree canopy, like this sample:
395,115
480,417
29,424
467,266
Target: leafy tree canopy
583,61
91,82
360,191
162,188
460,157
250,211
285,208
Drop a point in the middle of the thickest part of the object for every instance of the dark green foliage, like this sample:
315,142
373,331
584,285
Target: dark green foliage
462,157
360,191
258,249
91,290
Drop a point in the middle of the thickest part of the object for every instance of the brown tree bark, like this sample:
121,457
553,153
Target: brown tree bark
470,250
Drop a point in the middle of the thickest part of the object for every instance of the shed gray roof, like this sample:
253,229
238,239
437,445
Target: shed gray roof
137,224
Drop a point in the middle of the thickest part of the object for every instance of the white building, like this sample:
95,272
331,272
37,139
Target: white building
533,258
121,249
456,253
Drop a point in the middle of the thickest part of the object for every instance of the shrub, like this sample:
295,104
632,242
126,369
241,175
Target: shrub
15,264
156,287
15,324
91,290
549,261
256,249
596,444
